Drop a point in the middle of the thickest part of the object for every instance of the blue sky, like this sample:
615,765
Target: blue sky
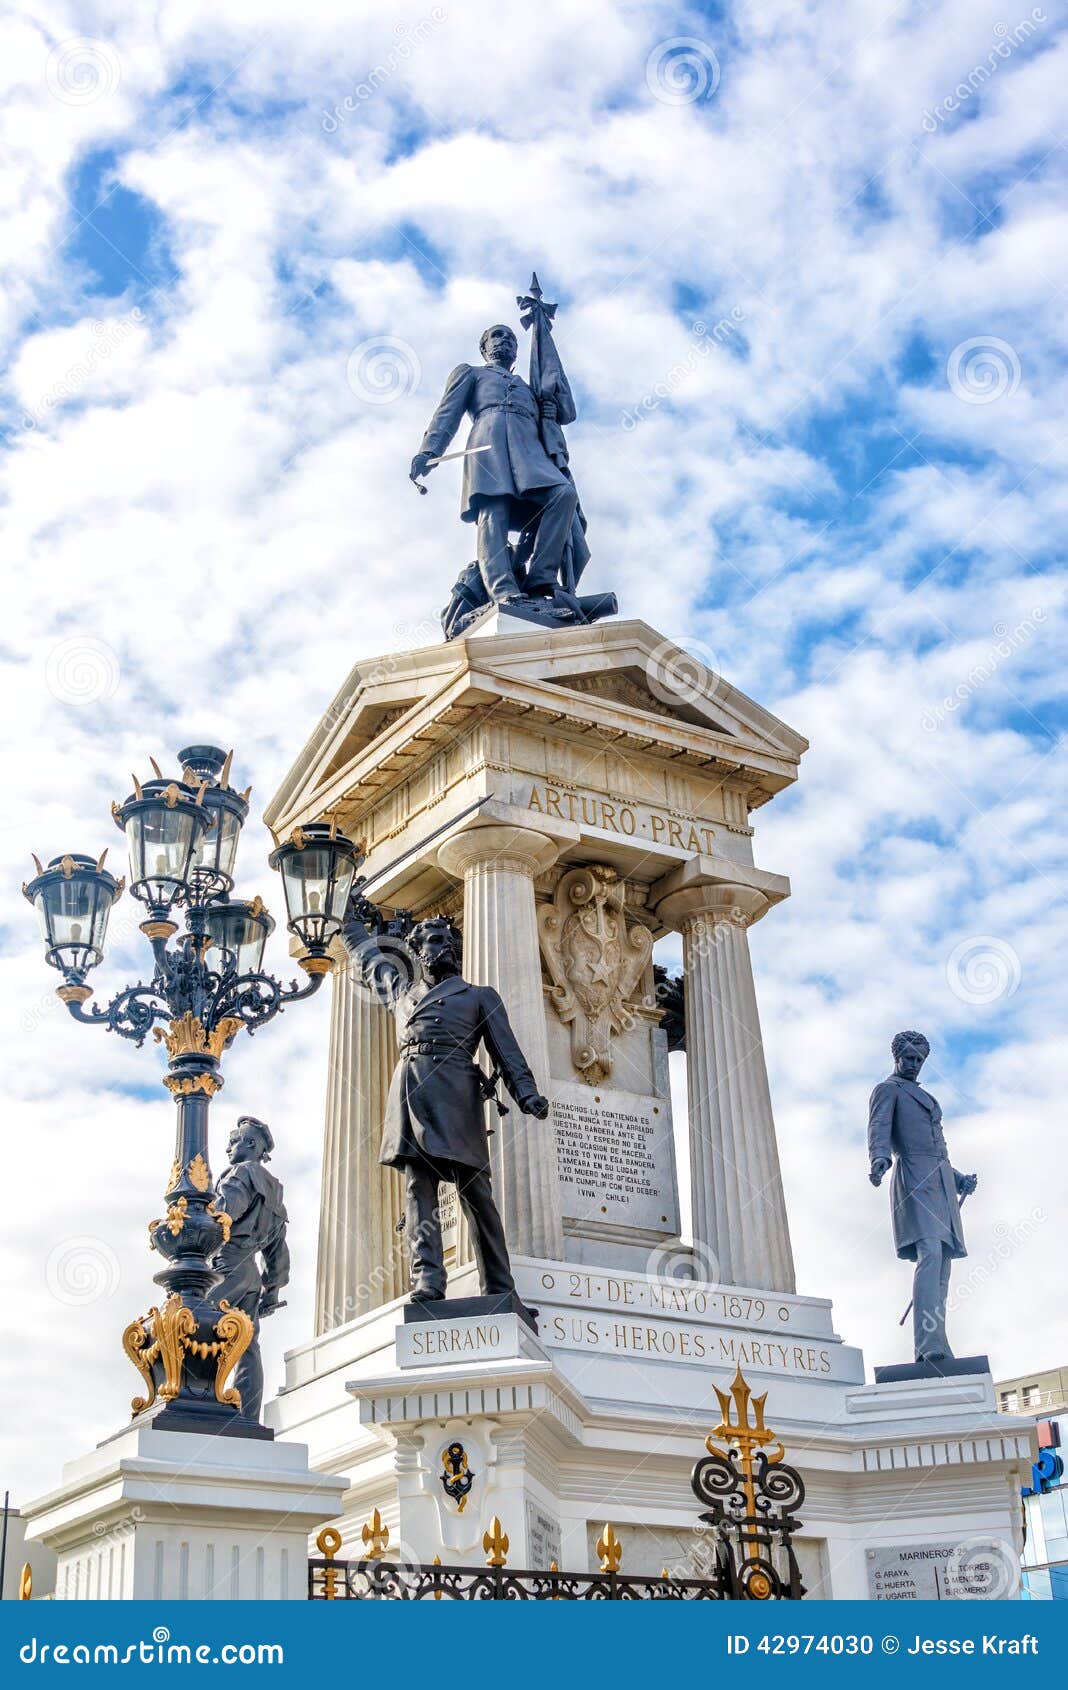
810,265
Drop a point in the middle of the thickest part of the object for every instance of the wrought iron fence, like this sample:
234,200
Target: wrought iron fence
382,1581
749,1493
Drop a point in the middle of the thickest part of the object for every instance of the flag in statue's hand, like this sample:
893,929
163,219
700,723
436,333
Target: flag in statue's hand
548,381
547,378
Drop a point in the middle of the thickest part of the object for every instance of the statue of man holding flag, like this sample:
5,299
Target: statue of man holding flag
516,476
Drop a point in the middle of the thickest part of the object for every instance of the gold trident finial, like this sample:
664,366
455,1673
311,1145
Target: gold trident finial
745,1435
375,1536
495,1544
610,1550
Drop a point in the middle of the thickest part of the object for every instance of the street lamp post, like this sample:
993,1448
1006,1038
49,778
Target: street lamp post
207,985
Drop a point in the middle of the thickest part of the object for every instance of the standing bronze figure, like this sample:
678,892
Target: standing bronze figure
905,1128
517,479
252,1198
435,1125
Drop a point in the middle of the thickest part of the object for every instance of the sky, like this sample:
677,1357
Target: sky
810,262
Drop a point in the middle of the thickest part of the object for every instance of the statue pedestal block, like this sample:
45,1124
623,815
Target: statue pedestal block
469,1308
947,1367
603,1415
168,1516
445,1339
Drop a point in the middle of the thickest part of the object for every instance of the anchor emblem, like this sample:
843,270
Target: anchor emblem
457,1476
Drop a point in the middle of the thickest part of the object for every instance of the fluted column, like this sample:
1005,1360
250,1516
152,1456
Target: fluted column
498,866
361,1261
739,1213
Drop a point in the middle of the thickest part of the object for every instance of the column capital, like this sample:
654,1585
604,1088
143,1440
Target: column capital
522,850
719,890
734,906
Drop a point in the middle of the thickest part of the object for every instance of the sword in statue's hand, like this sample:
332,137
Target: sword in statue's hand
446,457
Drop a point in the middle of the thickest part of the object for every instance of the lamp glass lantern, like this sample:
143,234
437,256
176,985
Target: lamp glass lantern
73,898
163,822
238,931
227,810
318,865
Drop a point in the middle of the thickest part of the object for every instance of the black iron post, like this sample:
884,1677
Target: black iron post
205,988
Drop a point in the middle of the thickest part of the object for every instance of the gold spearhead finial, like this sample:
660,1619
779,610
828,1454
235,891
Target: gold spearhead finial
137,787
156,770
495,1544
103,856
610,1550
37,863
224,774
375,1536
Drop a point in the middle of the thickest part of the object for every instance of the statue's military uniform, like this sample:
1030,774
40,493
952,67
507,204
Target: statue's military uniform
905,1126
511,482
506,419
435,1123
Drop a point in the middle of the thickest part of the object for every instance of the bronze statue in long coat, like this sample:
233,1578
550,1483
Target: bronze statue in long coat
435,1124
905,1128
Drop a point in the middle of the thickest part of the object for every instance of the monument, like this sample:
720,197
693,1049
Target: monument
569,792
566,792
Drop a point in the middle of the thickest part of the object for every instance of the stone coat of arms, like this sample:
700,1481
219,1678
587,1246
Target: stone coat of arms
595,960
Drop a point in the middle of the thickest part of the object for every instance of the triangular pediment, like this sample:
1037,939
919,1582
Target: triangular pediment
631,665
631,687
621,680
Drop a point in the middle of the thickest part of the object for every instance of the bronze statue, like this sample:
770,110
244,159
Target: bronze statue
252,1198
516,479
905,1127
435,1127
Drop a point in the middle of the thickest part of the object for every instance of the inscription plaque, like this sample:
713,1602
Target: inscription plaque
616,1155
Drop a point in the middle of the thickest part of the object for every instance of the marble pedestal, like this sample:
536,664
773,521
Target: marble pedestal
603,1414
167,1515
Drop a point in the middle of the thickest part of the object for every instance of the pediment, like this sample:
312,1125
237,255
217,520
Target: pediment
616,679
365,726
631,687
632,665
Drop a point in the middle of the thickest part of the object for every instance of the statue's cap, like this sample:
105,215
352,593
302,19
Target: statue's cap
259,1126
